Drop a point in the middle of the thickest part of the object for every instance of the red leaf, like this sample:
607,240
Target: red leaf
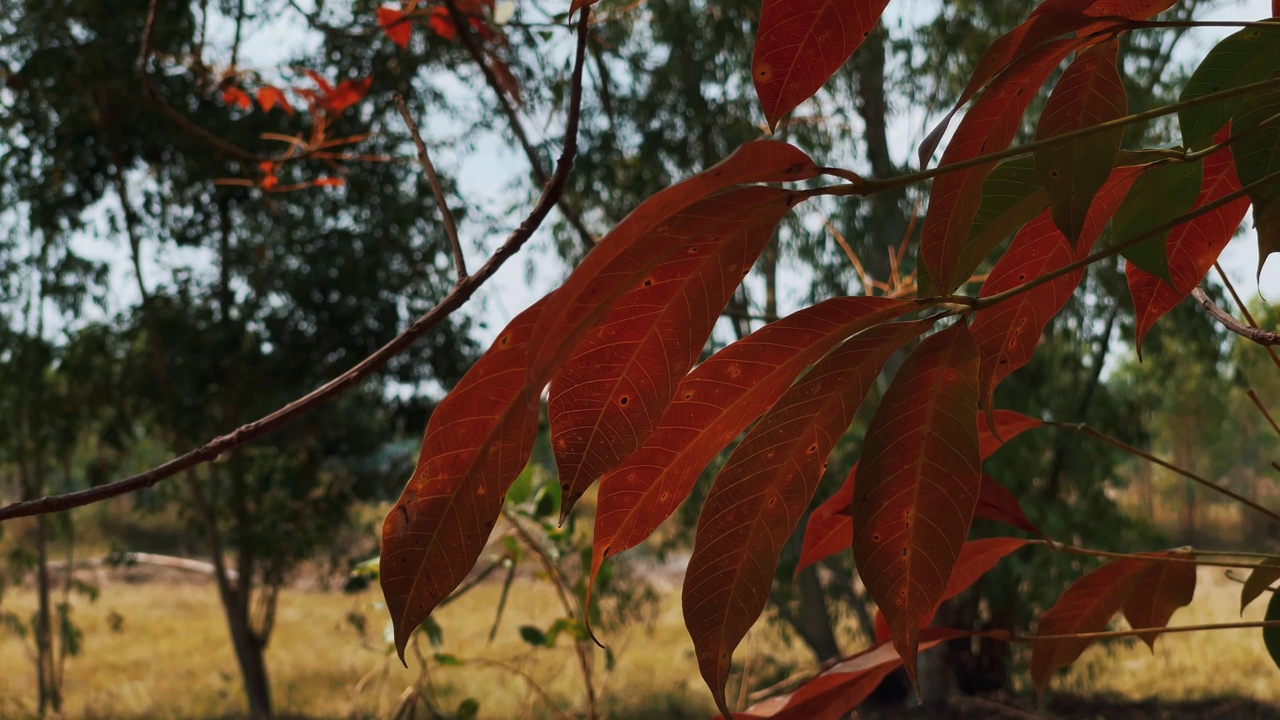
830,527
395,24
609,395
639,243
759,496
235,97
997,504
920,476
713,404
801,43
976,559
1007,333
269,97
441,24
1192,247
989,126
840,689
328,182
1162,589
1090,92
477,442
1088,605
335,100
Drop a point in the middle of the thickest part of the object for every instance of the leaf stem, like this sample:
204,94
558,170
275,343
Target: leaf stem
450,227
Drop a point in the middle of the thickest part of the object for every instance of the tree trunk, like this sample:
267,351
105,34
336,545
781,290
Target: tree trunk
50,695
250,655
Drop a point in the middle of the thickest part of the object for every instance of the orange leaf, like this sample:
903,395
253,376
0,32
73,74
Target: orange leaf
269,97
1192,247
1162,589
712,405
830,527
395,24
919,481
1007,333
235,97
477,442
611,392
759,496
335,100
441,24
801,43
989,126
639,243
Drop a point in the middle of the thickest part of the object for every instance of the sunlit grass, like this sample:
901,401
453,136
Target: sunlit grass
172,658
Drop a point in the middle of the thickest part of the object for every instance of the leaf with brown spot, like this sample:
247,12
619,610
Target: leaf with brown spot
714,403
478,440
801,43
758,497
609,395
639,244
918,484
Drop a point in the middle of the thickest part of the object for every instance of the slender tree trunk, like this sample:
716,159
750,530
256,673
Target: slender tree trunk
49,694
250,651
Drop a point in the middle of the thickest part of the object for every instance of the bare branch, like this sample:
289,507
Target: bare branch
1256,334
450,228
272,422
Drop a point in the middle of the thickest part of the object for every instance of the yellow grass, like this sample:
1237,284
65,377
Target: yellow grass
172,658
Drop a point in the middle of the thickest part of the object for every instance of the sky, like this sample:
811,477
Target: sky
485,176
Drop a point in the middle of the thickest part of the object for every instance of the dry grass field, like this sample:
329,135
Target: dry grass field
171,659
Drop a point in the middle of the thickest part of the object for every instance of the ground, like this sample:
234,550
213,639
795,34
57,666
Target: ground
170,658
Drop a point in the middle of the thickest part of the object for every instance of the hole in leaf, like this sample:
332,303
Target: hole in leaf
624,400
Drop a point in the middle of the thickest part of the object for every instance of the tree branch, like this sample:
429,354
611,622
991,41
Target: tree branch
450,228
461,292
1256,334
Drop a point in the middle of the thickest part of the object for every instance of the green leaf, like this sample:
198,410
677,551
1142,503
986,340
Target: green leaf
522,487
435,634
1011,196
533,636
1159,195
1267,572
1245,57
1256,153
1271,635
573,626
468,709
448,660
546,501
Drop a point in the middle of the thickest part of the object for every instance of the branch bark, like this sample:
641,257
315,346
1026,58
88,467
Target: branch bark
1256,334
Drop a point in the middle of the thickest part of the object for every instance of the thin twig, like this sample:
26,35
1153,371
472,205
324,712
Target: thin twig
1257,401
1244,310
450,228
275,420
1257,335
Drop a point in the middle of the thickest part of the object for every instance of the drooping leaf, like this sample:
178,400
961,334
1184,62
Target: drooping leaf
477,441
997,504
1089,93
989,126
845,685
801,43
1256,153
609,394
1259,580
830,527
639,243
1007,333
1161,590
976,559
1086,606
1192,247
1011,196
1245,57
918,483
1271,635
395,23
758,497
1162,193
712,405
